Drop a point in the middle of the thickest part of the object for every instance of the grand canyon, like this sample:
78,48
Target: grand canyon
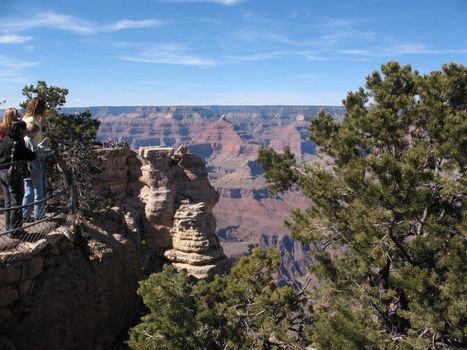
228,139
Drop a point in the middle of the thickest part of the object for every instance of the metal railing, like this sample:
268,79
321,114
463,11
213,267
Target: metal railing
28,236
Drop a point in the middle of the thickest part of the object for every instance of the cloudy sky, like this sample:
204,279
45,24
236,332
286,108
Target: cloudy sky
200,52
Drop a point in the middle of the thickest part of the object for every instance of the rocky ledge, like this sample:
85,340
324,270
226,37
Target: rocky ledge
168,200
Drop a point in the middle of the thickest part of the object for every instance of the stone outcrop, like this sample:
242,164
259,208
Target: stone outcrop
178,204
167,198
196,247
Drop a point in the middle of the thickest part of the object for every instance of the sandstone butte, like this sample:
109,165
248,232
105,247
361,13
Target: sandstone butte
79,292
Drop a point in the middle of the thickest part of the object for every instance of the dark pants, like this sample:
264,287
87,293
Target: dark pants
12,185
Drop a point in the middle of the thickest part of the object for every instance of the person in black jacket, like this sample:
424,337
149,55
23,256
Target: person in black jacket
13,149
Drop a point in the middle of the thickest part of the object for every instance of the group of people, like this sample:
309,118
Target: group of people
22,169
109,143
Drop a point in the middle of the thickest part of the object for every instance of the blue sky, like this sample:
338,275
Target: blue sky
200,52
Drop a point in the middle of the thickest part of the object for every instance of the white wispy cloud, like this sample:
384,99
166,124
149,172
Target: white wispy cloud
12,78
12,69
15,65
296,14
168,54
179,54
329,38
221,2
270,55
336,30
259,18
131,24
72,24
328,32
262,35
260,56
400,49
13,39
313,56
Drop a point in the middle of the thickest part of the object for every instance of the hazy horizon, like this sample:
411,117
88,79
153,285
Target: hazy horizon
184,106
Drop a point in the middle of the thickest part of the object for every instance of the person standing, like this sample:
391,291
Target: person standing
33,186
36,114
13,149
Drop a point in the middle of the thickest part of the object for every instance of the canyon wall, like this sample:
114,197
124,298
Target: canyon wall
79,292
228,139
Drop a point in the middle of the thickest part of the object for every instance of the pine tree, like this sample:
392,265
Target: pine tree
242,310
388,222
54,96
71,135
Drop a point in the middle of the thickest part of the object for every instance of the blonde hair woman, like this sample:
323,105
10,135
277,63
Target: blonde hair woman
9,116
35,114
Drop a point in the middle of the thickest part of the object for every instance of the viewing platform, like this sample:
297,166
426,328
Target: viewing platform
32,236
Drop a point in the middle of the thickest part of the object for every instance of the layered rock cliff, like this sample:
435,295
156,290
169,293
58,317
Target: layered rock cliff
80,292
228,139
167,198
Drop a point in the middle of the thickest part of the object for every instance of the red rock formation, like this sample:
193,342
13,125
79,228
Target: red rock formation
224,137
